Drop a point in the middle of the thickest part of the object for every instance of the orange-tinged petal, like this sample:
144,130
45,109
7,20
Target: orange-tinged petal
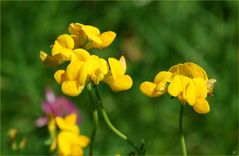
51,60
107,38
123,63
201,106
163,76
148,89
116,67
120,83
174,88
195,71
60,76
71,88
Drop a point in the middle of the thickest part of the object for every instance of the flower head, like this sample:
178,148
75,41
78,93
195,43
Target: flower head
87,36
69,140
117,80
188,82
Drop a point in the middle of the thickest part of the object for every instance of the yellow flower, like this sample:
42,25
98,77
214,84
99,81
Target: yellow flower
188,82
86,36
61,51
71,144
158,87
68,123
69,140
190,70
117,80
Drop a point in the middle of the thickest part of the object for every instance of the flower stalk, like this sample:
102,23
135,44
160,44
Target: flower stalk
109,124
182,140
95,118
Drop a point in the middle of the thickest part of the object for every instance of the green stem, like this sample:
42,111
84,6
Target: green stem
110,125
183,145
95,118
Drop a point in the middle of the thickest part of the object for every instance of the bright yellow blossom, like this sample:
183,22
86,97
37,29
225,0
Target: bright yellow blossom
70,142
158,87
117,80
61,51
188,82
86,36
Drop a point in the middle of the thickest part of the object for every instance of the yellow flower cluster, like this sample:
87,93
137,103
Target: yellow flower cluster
188,82
68,141
83,66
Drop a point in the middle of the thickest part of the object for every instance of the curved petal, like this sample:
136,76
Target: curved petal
107,38
83,141
71,88
148,89
189,94
66,41
116,67
201,106
174,88
82,54
201,87
51,60
120,83
60,76
163,76
195,70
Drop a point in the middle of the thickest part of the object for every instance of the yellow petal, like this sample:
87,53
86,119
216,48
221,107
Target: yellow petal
116,68
92,63
76,150
148,89
64,142
195,70
82,54
163,77
107,38
65,41
51,60
71,119
123,63
91,29
71,88
201,106
83,141
74,28
174,88
67,125
83,73
60,76
201,87
120,83
104,68
73,68
189,93
93,34
178,69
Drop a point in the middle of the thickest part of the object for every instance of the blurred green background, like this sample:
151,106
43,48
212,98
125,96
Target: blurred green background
153,36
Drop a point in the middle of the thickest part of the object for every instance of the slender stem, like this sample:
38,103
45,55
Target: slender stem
95,118
109,124
183,145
